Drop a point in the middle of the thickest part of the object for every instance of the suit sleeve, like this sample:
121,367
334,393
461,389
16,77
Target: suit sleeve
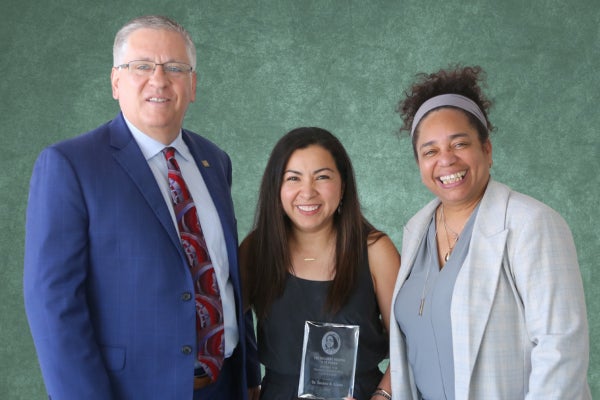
55,273
547,275
253,373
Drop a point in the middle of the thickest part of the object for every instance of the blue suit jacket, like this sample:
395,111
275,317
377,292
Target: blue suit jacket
106,281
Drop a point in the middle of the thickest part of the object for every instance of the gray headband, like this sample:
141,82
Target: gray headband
454,100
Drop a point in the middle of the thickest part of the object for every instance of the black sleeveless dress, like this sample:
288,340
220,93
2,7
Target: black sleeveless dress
280,335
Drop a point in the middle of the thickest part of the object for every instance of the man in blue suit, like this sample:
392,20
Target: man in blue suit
108,291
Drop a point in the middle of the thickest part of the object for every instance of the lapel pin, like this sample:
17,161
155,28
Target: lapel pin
205,163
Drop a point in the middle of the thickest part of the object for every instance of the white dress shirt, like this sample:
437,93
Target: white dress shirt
207,213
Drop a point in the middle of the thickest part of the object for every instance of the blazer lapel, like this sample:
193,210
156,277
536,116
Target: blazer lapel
215,173
476,285
210,168
130,157
414,233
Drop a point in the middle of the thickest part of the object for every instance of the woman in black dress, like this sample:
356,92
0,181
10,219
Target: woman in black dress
312,256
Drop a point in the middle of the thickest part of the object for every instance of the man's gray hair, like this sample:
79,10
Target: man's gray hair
151,22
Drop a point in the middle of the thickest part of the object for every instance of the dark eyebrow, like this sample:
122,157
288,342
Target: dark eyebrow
323,169
314,172
452,137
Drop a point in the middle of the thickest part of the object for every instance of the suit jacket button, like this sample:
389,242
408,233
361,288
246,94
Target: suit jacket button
187,350
186,296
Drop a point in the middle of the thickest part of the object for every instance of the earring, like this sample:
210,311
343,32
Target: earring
339,209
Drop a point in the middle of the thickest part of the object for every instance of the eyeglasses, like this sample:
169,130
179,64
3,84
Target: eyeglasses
145,68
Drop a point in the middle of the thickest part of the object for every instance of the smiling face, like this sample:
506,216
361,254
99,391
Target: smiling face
155,104
311,189
454,164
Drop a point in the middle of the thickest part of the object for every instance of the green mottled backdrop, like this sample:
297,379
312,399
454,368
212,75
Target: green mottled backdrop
268,66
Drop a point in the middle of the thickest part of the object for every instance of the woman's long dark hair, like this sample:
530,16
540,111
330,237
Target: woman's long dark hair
267,260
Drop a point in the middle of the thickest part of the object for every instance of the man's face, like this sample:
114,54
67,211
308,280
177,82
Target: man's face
155,104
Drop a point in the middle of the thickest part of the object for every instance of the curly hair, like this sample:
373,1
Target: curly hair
465,81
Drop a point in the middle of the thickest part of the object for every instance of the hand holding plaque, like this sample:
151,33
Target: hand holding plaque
328,361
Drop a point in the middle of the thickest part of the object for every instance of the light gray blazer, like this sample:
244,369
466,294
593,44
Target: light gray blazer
519,324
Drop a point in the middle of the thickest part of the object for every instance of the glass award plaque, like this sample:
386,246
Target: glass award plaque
328,361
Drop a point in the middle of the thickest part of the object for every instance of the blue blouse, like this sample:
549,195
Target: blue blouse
429,335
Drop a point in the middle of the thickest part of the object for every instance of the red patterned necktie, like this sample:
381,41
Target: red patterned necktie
209,310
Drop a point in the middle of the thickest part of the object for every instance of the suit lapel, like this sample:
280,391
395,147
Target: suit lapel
212,174
216,177
129,156
476,285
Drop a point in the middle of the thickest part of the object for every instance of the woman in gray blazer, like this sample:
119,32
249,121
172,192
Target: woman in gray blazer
489,301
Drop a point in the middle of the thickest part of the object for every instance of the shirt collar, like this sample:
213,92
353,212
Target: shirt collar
150,147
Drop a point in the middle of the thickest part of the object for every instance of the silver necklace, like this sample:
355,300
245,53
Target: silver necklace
424,291
446,229
441,219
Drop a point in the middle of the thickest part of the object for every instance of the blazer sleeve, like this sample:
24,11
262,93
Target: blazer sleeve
55,273
544,265
252,367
